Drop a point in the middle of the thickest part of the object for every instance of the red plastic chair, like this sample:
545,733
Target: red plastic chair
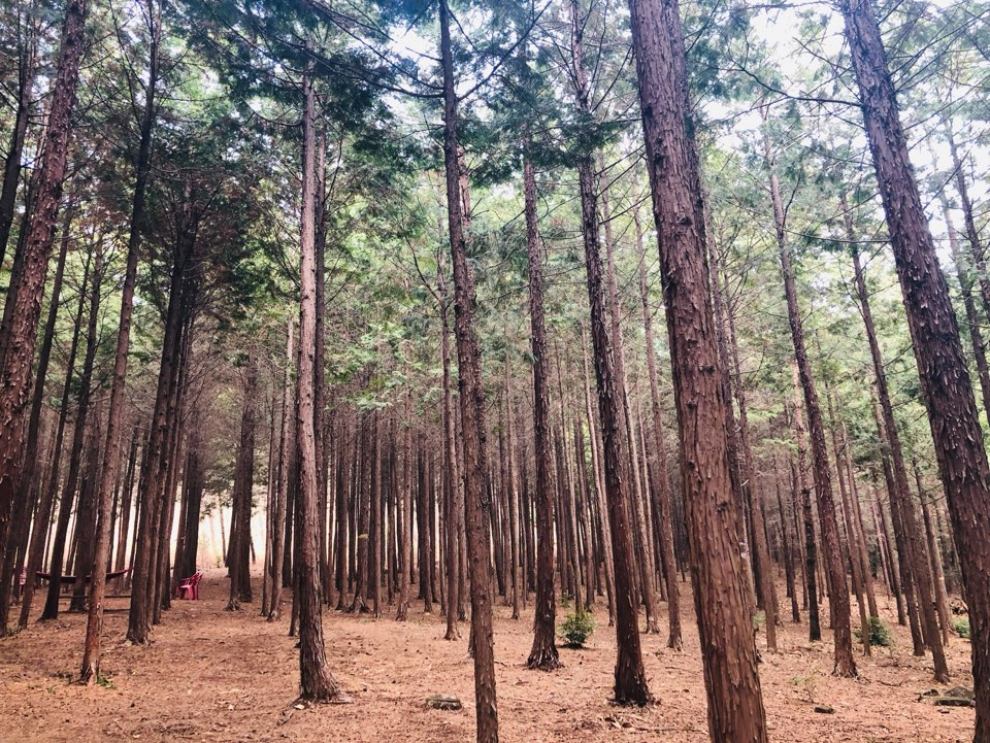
189,587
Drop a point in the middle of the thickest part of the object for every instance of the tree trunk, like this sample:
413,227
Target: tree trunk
845,664
111,456
948,394
18,358
543,654
973,321
735,703
317,683
286,437
661,475
477,504
763,568
154,467
240,537
919,569
28,487
77,446
27,50
454,495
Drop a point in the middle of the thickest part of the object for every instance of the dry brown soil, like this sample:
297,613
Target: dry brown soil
212,675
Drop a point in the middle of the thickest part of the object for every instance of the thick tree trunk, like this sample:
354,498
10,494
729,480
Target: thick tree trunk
477,503
735,702
317,683
27,49
945,382
18,357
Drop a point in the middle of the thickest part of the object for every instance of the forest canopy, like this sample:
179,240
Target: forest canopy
659,323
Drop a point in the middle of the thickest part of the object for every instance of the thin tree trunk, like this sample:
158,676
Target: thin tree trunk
845,663
240,537
77,446
661,475
111,455
286,447
919,569
543,654
27,50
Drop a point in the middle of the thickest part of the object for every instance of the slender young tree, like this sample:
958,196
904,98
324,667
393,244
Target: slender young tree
845,663
543,654
660,473
112,453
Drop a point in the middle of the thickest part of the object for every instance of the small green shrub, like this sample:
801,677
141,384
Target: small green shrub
759,619
961,627
577,628
879,634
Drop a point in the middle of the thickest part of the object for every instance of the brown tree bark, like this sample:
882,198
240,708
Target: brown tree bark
661,474
287,437
112,454
317,683
735,702
920,572
945,382
77,446
18,359
845,663
472,402
240,531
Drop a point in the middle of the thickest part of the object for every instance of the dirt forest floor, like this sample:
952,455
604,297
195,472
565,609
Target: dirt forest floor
212,675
